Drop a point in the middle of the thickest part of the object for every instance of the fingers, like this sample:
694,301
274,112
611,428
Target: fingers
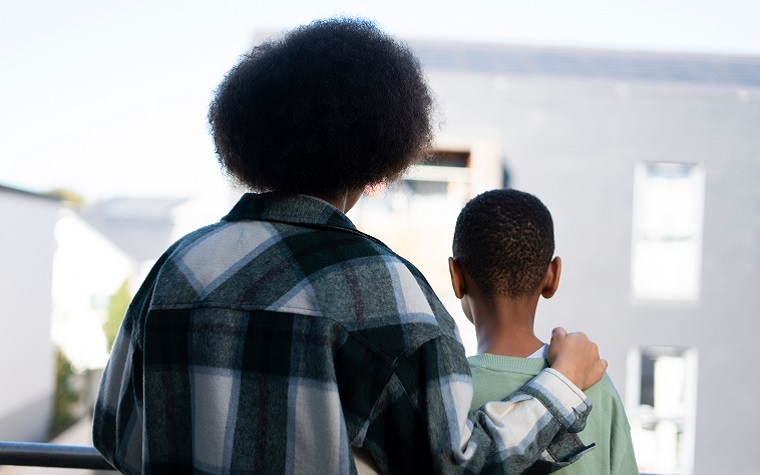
561,332
577,357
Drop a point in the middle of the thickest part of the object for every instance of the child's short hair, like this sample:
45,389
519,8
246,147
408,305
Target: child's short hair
328,108
505,240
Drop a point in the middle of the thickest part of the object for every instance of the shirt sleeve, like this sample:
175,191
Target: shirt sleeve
117,415
117,418
433,388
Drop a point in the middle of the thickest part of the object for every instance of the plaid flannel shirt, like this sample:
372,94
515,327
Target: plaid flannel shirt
279,338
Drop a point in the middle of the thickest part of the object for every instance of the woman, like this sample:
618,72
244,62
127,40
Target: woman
281,338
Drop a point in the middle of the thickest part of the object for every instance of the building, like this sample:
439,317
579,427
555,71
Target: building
649,163
27,356
144,227
61,267
88,269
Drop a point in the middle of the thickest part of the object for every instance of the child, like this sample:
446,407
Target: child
503,262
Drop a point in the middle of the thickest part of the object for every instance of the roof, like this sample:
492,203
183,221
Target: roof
31,194
618,65
141,227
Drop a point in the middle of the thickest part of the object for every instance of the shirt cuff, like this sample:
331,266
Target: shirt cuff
568,404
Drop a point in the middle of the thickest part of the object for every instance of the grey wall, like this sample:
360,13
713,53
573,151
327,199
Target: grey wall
574,143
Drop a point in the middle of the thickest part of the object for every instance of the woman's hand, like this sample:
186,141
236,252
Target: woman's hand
576,357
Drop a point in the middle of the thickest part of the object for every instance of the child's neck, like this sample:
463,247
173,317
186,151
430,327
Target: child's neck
505,326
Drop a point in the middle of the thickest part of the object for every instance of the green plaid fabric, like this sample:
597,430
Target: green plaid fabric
279,338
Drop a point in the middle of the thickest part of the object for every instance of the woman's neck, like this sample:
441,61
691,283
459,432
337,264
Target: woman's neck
344,201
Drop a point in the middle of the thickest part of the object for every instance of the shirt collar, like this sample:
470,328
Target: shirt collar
289,208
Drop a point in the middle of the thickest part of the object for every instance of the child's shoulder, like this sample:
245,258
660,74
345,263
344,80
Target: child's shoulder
606,383
605,389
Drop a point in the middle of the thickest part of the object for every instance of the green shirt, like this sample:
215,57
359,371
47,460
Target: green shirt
607,426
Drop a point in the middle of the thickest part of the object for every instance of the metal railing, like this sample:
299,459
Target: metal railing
54,455
51,455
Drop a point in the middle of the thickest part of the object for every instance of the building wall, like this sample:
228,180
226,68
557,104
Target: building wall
87,270
27,358
575,144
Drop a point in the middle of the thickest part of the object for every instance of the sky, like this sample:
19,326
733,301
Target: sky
109,98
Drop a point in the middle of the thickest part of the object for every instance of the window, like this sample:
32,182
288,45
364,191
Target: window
661,399
416,216
667,231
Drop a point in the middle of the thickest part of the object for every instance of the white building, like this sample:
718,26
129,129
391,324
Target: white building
87,270
59,270
27,358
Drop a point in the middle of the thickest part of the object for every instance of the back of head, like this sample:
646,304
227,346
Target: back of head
505,240
328,108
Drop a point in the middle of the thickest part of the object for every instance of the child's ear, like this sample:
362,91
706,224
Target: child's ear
551,282
457,277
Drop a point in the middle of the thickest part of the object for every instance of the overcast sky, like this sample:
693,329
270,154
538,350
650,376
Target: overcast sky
109,98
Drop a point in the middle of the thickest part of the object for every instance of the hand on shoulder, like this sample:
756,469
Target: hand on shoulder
576,357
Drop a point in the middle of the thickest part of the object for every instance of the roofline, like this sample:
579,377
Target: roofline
264,33
586,63
18,191
535,47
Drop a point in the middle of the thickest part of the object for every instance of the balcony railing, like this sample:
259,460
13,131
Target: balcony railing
54,455
51,455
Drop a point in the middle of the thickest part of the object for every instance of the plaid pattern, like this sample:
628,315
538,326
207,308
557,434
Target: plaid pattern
279,338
